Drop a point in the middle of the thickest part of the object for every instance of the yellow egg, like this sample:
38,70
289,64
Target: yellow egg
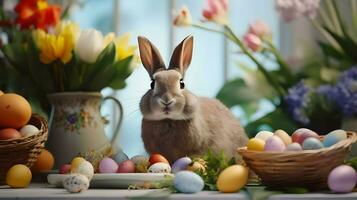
232,179
256,144
76,161
283,136
18,176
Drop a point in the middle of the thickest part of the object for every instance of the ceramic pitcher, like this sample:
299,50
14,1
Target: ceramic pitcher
77,127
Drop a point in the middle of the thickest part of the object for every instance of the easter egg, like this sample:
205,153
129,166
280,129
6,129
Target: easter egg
284,136
256,144
76,183
120,157
274,143
15,111
44,162
232,179
197,166
312,144
107,165
141,163
81,166
127,166
180,164
264,135
294,147
301,134
29,130
342,179
9,134
155,158
334,137
188,182
160,167
18,176
65,169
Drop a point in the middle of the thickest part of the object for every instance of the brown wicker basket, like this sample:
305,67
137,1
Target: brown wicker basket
23,150
309,168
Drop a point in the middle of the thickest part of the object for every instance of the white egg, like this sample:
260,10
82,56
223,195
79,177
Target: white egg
264,135
29,130
159,167
85,168
76,183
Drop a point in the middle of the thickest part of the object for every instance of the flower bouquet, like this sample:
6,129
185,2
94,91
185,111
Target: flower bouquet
43,54
319,95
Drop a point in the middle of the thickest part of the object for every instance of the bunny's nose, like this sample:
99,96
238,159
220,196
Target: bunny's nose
167,103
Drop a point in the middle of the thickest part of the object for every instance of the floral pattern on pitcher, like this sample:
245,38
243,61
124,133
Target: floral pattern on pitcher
74,121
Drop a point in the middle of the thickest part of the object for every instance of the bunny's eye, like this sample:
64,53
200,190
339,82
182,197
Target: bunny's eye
152,84
182,84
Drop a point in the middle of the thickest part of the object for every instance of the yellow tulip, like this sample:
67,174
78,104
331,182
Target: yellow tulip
58,45
122,47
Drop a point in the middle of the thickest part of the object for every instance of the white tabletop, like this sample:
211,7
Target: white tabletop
42,191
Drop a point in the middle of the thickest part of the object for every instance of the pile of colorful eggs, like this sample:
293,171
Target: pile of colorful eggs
15,113
301,139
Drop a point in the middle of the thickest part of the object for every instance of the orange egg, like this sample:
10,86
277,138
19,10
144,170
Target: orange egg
15,111
44,162
9,133
1,92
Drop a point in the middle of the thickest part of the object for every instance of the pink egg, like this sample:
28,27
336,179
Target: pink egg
127,166
274,143
65,169
108,165
302,133
342,179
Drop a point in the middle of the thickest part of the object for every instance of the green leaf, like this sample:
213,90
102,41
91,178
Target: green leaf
122,72
236,92
16,55
329,51
346,43
276,119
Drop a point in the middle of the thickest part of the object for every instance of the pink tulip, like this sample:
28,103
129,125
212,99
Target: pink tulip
216,11
260,29
252,41
183,18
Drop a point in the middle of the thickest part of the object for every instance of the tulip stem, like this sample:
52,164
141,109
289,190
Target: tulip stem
280,90
212,30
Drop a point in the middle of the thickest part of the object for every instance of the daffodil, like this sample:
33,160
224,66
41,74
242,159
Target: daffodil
57,45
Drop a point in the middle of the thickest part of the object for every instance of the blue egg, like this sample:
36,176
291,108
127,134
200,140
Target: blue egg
120,157
334,137
188,182
312,144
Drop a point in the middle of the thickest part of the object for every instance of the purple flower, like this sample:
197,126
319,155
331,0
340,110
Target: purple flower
72,118
345,92
292,9
297,101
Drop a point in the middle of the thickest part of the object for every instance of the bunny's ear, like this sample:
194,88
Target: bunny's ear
181,57
150,56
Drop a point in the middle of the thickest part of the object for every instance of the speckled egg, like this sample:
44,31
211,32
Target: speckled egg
141,163
160,167
293,147
264,135
342,179
76,183
256,144
274,143
334,137
312,143
284,136
302,133
107,165
83,167
188,182
180,164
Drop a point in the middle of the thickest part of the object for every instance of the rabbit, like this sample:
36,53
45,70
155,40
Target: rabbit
177,123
